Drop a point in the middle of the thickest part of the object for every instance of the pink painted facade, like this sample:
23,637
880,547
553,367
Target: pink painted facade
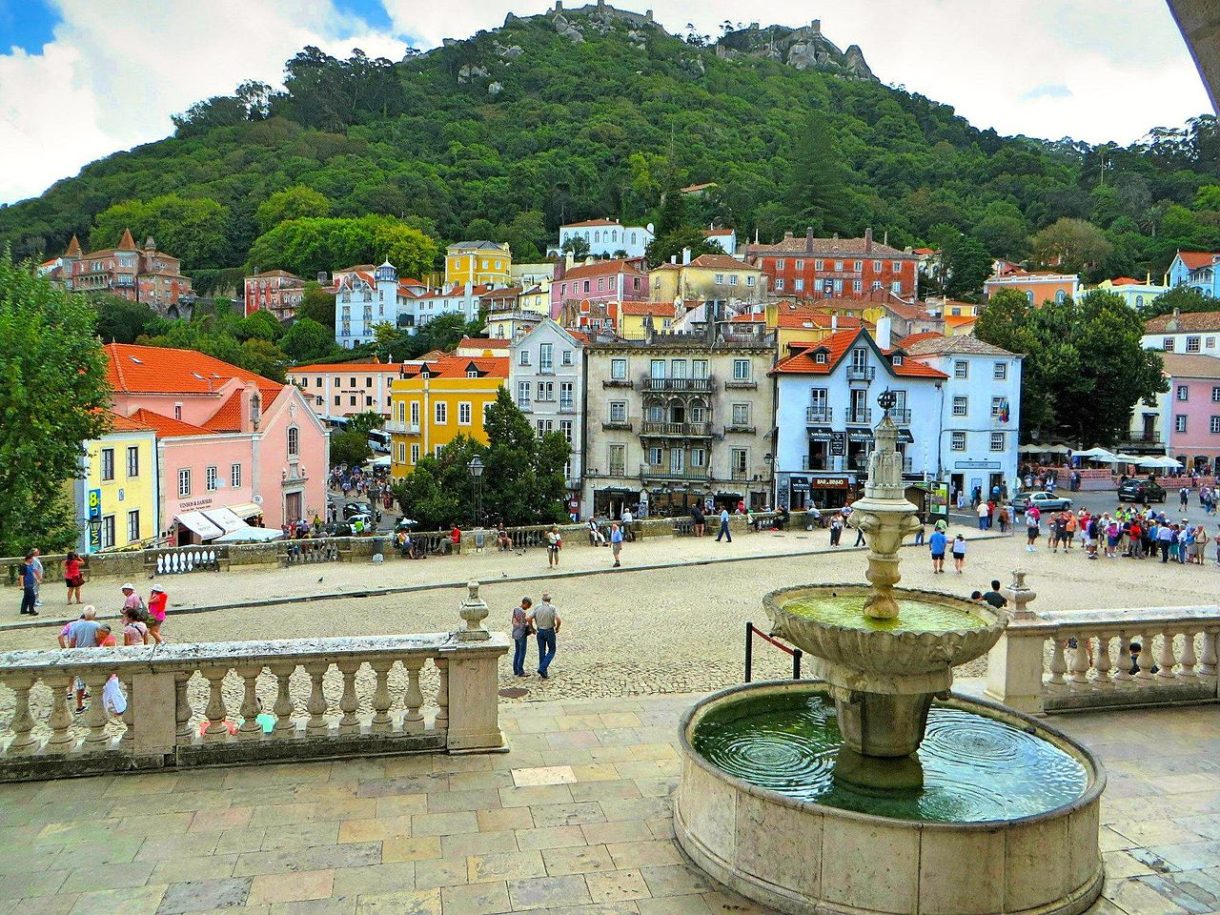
226,438
1192,408
602,281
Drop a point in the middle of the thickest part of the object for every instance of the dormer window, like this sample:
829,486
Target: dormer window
897,359
819,358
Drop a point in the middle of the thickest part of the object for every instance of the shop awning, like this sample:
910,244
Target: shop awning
251,535
199,524
225,519
904,435
820,431
860,435
246,509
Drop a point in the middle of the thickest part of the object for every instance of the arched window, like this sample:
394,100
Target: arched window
1029,295
294,441
1059,297
1139,301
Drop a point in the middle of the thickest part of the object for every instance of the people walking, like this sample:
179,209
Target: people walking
698,520
836,529
29,585
616,542
546,621
73,577
554,543
39,574
724,526
984,514
959,553
158,600
1032,531
936,545
521,633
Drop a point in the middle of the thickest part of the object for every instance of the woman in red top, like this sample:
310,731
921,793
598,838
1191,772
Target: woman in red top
157,601
73,577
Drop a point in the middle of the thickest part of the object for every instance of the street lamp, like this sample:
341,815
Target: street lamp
95,532
769,460
476,473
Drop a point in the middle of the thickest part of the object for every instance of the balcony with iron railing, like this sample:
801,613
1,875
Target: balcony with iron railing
822,464
740,384
901,417
861,416
678,385
567,406
678,430
623,425
861,373
1140,437
617,383
401,428
817,415
741,428
686,474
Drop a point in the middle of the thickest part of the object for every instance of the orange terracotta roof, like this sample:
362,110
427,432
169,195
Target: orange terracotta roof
166,426
646,308
579,335
1196,259
799,319
723,262
590,223
228,417
710,232
73,247
450,366
835,346
911,339
1125,281
911,368
126,243
323,367
959,320
484,342
120,423
161,370
1192,321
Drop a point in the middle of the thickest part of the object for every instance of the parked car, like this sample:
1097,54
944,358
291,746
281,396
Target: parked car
1046,502
1141,491
356,508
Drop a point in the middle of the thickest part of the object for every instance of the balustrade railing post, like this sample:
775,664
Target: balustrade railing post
60,721
249,729
382,722
1208,661
316,707
1102,664
284,725
413,720
182,706
349,723
1187,659
217,714
442,694
1147,656
96,717
1080,661
23,722
1165,659
1122,673
1058,665
127,742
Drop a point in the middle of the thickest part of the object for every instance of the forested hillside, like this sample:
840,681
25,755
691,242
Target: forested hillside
512,132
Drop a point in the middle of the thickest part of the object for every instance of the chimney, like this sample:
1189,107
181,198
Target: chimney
834,322
809,239
868,240
685,256
469,288
787,235
883,332
673,258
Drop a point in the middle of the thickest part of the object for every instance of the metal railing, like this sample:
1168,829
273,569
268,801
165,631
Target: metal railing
815,415
796,653
860,417
860,373
656,472
693,385
676,429
623,424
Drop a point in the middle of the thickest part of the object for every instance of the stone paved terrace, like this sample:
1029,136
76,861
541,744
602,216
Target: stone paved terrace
576,819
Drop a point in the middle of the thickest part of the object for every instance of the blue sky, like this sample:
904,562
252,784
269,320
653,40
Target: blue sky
1094,70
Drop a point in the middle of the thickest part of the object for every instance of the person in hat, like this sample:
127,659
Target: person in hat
130,598
157,602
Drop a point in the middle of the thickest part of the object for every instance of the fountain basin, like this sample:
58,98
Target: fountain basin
806,856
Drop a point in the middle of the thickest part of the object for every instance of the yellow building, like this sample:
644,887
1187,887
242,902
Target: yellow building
632,315
478,263
118,489
436,401
708,276
536,299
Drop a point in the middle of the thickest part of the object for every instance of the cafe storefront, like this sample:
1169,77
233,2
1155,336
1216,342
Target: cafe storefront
815,489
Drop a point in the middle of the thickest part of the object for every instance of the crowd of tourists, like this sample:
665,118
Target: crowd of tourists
1131,532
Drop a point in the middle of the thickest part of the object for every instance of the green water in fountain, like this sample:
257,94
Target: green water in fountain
976,769
847,610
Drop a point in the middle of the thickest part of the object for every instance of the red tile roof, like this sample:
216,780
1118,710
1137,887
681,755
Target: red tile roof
449,366
798,319
646,308
1196,259
484,343
835,346
1191,321
590,223
722,262
228,417
1125,281
712,232
167,427
120,423
135,369
911,339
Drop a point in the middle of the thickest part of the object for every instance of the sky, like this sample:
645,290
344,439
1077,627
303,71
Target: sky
80,79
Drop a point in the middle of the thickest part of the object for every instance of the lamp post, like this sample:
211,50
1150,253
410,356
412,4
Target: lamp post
769,460
476,473
95,533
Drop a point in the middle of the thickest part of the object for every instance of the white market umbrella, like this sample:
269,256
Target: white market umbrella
1128,459
1095,454
1159,463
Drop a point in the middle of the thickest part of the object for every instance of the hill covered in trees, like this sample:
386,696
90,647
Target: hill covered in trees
547,120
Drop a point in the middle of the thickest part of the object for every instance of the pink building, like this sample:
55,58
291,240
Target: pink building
276,291
226,438
601,281
1192,412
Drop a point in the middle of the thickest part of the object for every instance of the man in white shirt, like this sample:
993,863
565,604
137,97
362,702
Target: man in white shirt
724,526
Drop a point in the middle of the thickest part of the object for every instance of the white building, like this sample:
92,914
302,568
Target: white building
979,411
1134,293
607,238
363,300
546,380
826,410
726,238
464,300
1196,332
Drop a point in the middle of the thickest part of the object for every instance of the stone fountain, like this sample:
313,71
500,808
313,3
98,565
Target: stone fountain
865,790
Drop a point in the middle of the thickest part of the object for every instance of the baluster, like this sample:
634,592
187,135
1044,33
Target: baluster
23,722
442,694
1187,658
1123,671
1147,657
61,716
127,742
95,716
250,729
349,723
1058,662
413,720
317,702
1102,663
1165,659
1079,675
160,563
182,707
1207,664
218,726
284,725
382,722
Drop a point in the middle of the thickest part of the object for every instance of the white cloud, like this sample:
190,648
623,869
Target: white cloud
118,68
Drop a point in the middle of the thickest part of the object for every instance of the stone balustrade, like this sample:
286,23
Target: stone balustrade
260,701
1063,661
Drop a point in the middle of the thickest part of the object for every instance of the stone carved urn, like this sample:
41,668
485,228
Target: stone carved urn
474,610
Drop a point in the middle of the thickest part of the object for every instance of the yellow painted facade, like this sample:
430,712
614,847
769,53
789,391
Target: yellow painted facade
428,412
631,324
121,478
478,263
536,299
722,278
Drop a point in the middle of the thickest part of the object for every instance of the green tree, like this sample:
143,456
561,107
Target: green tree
1070,244
576,246
193,229
55,398
309,245
293,202
307,341
317,304
263,358
350,448
966,265
1181,298
261,325
365,422
120,320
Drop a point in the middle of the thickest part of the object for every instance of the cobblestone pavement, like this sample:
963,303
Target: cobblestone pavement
668,630
575,820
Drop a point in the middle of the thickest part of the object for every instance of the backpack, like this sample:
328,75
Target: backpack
141,613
